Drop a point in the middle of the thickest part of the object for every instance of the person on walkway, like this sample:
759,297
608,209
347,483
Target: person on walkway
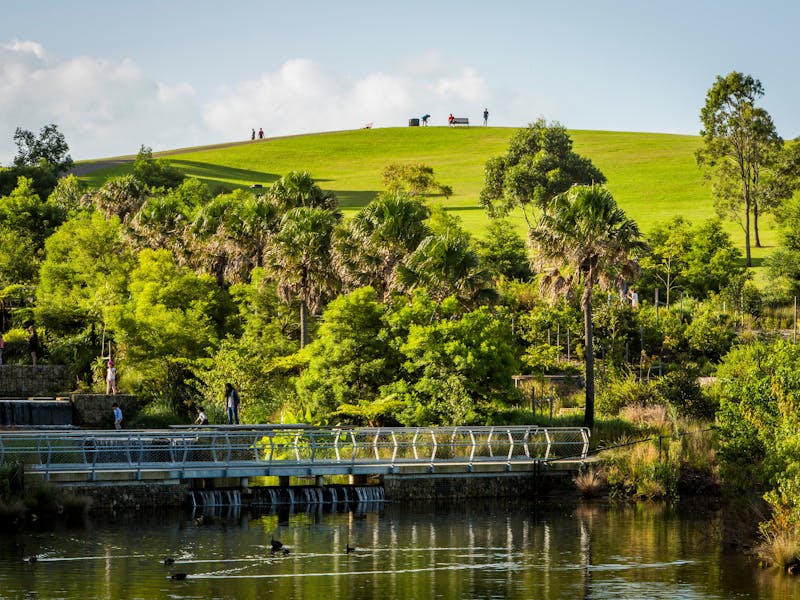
117,416
201,417
33,344
111,378
485,116
232,404
634,298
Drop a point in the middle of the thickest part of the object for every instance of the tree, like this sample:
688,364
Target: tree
665,264
50,147
586,240
462,365
370,248
298,188
412,178
444,264
30,217
155,172
122,196
170,315
503,252
350,359
739,143
299,259
42,160
85,271
712,262
538,165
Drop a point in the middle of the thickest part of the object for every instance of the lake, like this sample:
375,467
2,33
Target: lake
473,550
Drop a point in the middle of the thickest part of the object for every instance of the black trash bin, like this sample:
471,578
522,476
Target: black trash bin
413,122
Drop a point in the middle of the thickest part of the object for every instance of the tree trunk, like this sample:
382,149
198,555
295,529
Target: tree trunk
586,302
304,308
303,324
755,225
749,262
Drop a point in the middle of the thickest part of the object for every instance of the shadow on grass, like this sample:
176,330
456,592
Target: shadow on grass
355,198
211,172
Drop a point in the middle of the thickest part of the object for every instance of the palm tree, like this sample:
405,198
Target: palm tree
121,196
370,247
586,240
445,265
297,188
298,259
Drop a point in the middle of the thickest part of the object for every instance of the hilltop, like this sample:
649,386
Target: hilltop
653,176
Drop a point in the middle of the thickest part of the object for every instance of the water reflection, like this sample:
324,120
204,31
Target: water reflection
472,550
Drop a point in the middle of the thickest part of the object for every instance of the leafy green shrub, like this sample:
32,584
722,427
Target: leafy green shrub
616,392
680,389
11,480
16,346
710,334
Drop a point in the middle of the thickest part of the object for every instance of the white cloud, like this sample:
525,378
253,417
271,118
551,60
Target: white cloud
102,107
107,108
304,97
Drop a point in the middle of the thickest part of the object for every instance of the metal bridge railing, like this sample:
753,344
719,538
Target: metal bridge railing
287,449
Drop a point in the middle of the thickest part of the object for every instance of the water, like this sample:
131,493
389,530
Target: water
476,550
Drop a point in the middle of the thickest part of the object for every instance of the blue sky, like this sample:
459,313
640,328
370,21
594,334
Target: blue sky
171,74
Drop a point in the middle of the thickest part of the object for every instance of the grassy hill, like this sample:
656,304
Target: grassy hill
652,176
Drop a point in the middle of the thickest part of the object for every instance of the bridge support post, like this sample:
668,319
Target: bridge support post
358,480
244,483
319,481
283,481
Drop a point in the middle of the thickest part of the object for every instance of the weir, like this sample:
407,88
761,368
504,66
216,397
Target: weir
27,412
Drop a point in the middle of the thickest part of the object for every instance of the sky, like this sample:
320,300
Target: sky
169,74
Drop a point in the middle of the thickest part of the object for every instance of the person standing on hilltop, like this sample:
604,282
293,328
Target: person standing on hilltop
485,116
260,133
252,134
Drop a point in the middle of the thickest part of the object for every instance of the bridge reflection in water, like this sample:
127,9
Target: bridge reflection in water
184,453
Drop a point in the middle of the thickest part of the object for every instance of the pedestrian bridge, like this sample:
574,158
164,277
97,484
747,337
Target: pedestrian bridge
243,451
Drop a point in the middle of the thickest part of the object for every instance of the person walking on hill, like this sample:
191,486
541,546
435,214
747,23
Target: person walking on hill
485,116
260,133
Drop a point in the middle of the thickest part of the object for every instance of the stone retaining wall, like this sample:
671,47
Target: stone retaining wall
455,487
134,496
24,381
94,410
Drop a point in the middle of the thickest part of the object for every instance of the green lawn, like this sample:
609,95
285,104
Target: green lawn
653,176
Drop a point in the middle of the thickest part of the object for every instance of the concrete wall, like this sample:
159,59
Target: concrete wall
24,381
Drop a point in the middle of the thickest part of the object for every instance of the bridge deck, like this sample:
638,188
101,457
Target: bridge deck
244,451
